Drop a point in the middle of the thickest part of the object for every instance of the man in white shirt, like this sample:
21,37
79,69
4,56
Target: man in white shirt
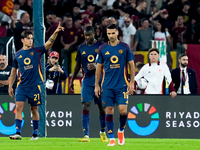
154,72
128,31
184,78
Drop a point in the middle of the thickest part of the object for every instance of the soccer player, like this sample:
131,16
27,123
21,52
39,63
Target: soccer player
86,55
114,57
28,62
154,72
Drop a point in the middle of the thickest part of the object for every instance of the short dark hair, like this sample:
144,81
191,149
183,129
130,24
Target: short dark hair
180,16
77,5
182,55
140,1
22,15
89,28
121,8
103,18
68,15
143,20
154,49
186,3
26,33
112,26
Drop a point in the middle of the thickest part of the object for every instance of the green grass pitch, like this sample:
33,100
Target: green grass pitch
96,144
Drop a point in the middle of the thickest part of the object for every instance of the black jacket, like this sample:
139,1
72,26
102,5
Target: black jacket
191,76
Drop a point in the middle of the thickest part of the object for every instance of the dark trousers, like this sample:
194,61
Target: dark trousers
66,58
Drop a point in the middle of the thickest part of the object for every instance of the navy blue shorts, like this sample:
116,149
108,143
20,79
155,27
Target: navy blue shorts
33,94
112,96
87,94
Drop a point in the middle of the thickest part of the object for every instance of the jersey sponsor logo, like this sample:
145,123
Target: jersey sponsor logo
83,52
20,56
96,50
90,58
28,67
107,53
31,53
27,61
114,59
120,51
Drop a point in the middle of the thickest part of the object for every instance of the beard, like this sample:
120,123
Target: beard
112,39
184,65
2,65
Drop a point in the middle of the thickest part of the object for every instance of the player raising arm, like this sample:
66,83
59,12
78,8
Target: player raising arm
27,60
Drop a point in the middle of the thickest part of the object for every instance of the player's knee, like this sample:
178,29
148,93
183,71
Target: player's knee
86,106
34,109
123,112
109,110
19,108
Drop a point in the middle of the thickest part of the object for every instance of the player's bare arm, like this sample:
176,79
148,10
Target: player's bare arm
76,70
52,39
131,89
97,79
11,81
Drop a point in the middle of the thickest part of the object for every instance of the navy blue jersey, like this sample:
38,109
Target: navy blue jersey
28,62
85,55
114,59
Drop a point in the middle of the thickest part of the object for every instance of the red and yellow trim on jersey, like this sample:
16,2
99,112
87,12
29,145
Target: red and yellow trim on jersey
103,77
19,80
125,75
40,73
39,88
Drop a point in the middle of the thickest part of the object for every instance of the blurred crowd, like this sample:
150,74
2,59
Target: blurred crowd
138,21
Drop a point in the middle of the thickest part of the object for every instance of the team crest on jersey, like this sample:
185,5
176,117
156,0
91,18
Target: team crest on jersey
104,102
32,53
107,53
71,33
83,52
120,51
96,50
